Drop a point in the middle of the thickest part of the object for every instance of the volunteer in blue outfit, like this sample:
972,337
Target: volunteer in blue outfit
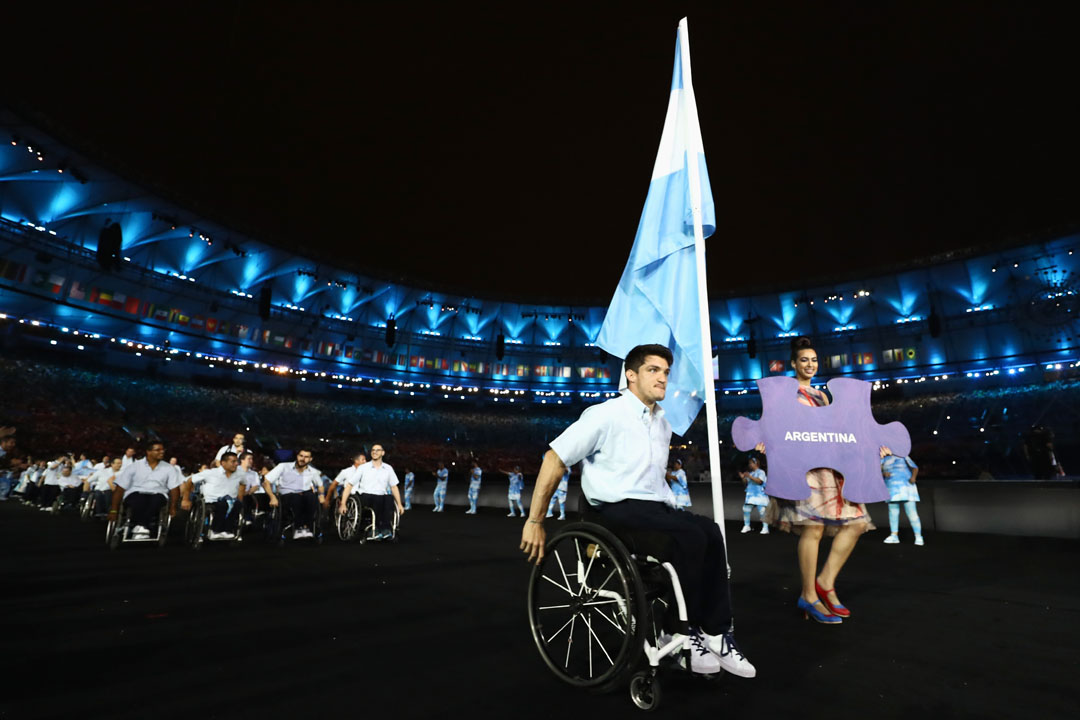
560,496
410,483
900,474
677,477
623,445
513,494
441,477
755,480
475,475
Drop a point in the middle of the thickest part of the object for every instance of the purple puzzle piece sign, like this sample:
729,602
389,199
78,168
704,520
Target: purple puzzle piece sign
843,436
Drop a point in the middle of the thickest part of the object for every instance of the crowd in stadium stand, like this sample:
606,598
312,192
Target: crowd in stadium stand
992,433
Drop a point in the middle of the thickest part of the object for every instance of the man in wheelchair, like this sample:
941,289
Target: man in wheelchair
221,487
623,446
299,489
377,483
145,486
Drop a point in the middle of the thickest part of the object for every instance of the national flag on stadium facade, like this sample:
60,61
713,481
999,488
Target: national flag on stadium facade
657,299
198,322
103,297
131,306
240,331
48,282
77,291
161,314
118,301
147,309
13,271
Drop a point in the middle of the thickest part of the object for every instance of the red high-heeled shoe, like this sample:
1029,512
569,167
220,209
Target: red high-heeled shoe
836,609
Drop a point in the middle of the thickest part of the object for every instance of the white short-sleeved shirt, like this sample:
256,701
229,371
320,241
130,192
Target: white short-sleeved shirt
140,477
52,474
623,449
346,473
100,479
227,448
126,461
217,485
253,481
290,480
70,481
442,475
372,480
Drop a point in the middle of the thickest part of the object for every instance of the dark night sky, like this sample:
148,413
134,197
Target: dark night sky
508,153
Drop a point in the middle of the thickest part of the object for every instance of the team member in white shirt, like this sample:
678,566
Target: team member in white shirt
236,448
223,492
376,481
145,486
102,483
298,482
475,476
70,484
129,456
50,483
338,482
623,444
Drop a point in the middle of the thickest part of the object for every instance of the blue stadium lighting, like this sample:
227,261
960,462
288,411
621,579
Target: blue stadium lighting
789,333
510,341
735,338
845,328
430,332
472,337
552,343
910,319
980,308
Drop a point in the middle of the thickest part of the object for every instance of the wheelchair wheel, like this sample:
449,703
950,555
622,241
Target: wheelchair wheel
645,690
348,522
57,504
112,532
164,522
587,607
319,523
272,525
87,510
193,530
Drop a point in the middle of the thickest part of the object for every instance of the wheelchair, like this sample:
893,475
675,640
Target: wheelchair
119,531
89,506
597,610
199,520
358,522
59,504
280,526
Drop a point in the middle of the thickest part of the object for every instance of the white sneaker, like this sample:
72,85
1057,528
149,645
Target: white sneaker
139,533
729,654
764,530
223,535
745,529
511,515
302,533
892,540
919,540
702,661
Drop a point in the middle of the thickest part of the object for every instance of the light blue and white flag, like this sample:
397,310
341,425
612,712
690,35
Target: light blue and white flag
657,297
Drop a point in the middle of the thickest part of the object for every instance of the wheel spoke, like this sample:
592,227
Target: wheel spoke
552,607
558,559
569,641
588,624
613,623
564,588
557,632
602,648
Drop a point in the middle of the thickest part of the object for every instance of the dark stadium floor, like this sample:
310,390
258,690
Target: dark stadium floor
435,626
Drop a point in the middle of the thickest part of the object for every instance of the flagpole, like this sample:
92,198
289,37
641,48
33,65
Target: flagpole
690,105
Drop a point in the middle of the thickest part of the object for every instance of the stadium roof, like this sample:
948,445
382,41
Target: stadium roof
458,148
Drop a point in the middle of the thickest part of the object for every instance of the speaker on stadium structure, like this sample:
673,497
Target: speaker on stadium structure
751,347
391,332
264,302
110,242
934,324
500,346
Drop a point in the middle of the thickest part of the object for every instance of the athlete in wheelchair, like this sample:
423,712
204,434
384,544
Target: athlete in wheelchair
215,513
144,501
296,507
370,507
99,487
636,577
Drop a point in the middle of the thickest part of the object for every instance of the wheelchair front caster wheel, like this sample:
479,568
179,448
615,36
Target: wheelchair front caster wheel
645,690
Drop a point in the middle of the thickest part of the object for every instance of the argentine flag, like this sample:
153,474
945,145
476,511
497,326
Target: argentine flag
657,297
